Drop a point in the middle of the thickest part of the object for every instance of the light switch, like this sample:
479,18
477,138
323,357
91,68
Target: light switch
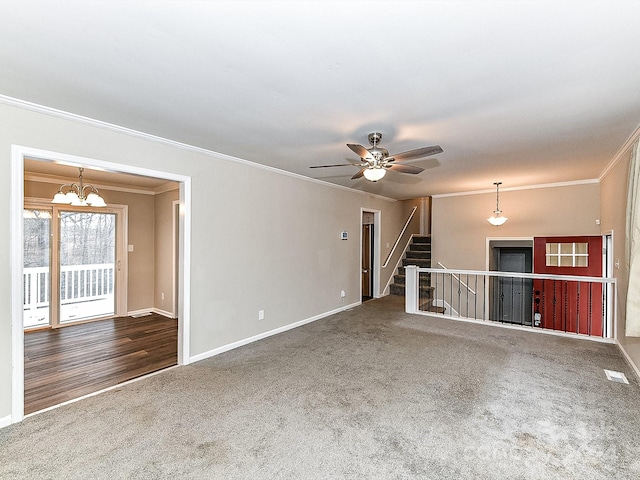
130,248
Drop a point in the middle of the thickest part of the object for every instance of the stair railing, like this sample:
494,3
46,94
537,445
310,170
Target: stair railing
395,245
559,304
471,291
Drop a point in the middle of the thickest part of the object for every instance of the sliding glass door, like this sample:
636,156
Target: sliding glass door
36,274
74,269
87,258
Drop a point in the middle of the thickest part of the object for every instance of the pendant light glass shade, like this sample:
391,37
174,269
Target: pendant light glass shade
497,220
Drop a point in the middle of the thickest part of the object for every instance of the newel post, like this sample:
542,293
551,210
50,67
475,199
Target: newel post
411,289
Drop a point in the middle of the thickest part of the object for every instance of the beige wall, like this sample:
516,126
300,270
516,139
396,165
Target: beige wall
140,235
614,187
163,252
260,240
460,229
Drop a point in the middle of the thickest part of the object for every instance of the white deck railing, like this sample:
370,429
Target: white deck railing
571,304
89,284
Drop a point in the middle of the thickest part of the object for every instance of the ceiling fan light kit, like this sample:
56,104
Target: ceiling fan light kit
375,161
374,174
497,219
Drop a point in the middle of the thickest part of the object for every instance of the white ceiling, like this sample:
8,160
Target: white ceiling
522,92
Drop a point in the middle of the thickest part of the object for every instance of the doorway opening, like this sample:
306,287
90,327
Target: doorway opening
370,254
97,282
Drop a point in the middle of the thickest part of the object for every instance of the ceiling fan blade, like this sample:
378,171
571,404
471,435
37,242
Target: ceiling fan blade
337,165
359,150
417,153
398,167
359,174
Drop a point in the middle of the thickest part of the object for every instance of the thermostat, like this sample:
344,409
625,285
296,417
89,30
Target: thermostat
344,235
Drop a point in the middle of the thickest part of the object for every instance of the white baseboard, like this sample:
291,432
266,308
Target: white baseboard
260,336
164,313
5,421
147,311
631,363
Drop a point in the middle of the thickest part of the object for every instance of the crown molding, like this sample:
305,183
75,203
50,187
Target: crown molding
54,112
622,151
58,180
525,187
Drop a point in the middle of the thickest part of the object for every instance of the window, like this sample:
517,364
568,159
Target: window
574,254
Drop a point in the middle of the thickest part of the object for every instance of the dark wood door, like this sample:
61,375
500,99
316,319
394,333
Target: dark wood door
367,261
570,306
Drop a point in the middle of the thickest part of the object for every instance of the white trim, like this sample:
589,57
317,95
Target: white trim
276,331
175,256
627,357
16,205
490,323
184,275
18,153
377,238
5,421
525,187
138,313
163,313
57,180
503,239
149,311
15,102
621,152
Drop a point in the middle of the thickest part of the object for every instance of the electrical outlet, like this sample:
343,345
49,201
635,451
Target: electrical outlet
260,314
342,294
162,296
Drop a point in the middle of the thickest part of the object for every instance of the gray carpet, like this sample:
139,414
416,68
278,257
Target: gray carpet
368,393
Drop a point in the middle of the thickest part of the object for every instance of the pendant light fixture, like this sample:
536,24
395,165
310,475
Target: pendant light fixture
497,219
76,194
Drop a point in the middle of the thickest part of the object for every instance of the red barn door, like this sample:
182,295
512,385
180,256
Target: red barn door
565,305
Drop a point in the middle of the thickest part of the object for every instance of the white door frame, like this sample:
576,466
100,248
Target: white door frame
18,154
376,252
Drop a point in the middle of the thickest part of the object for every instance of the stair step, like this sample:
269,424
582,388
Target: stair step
425,279
417,239
420,247
420,262
418,254
425,307
425,292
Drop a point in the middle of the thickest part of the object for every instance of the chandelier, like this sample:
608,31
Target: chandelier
497,219
78,194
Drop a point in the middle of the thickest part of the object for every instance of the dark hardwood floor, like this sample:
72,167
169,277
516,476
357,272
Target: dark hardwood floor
76,360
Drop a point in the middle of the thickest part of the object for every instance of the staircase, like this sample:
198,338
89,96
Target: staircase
418,253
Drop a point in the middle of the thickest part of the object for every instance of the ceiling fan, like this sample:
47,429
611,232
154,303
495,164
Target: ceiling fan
375,161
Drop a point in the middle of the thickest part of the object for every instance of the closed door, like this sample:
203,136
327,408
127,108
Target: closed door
570,306
513,296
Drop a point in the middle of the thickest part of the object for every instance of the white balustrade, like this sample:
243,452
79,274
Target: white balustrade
89,284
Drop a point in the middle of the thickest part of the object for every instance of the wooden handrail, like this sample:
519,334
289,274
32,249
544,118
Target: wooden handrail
395,245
